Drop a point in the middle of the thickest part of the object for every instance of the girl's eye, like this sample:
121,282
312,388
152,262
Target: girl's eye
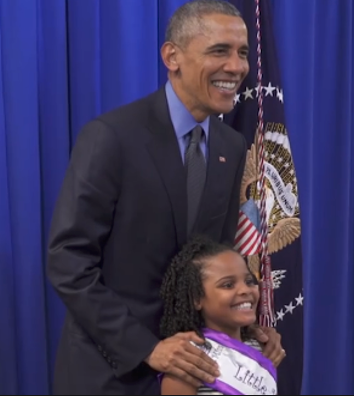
252,281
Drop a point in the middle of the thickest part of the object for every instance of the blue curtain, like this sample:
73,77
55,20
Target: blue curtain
64,62
315,40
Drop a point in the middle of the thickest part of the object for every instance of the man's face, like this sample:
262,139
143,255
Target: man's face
213,65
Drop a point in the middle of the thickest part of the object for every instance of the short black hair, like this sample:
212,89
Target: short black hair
187,20
182,286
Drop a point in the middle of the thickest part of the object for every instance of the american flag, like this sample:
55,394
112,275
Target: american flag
282,208
248,237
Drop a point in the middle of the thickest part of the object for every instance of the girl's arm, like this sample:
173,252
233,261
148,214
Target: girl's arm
174,386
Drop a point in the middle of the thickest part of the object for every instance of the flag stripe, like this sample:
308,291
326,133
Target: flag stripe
248,239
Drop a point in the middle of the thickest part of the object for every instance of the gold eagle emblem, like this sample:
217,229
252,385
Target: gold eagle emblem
282,231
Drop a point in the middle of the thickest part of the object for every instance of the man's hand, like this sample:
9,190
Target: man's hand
272,340
178,357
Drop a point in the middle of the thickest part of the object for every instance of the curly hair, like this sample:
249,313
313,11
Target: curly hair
182,286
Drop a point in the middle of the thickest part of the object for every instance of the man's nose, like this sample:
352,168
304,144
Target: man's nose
235,64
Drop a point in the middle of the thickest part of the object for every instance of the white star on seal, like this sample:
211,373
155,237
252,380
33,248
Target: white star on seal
280,315
280,95
290,307
248,93
299,300
269,89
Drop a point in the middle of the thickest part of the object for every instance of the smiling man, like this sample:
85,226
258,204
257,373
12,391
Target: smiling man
141,180
206,56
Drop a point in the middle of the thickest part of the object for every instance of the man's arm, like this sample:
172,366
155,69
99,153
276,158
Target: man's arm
81,224
270,340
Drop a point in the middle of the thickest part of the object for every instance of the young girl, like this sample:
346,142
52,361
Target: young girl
209,289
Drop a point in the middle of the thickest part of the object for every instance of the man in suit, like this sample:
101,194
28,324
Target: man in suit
141,179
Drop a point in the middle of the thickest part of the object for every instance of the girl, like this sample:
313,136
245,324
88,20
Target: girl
209,289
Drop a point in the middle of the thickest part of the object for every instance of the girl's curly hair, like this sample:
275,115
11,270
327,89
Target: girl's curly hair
182,286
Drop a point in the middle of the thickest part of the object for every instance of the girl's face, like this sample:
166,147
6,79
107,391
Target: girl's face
231,294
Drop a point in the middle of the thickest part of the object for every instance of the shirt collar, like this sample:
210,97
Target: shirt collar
182,120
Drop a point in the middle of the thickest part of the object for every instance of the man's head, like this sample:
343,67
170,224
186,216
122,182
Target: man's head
206,52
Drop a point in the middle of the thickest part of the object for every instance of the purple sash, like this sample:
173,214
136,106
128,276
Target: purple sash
244,370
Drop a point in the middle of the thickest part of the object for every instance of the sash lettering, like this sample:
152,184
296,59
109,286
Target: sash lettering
244,370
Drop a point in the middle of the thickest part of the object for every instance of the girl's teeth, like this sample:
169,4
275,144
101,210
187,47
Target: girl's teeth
243,306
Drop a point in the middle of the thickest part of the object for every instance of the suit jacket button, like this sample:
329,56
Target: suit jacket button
109,360
100,348
104,354
114,365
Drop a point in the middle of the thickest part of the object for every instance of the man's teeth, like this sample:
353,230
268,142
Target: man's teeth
243,306
225,85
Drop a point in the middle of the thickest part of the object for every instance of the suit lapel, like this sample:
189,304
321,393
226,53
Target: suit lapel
164,150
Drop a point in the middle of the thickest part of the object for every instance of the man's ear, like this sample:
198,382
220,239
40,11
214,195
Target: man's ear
169,56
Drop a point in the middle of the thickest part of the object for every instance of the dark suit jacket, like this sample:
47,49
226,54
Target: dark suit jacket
119,219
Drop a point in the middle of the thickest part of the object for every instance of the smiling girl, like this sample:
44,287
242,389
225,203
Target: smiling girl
209,289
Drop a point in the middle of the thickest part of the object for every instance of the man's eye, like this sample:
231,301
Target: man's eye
244,54
220,51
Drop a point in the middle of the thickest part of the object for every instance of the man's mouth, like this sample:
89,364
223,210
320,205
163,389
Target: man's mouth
225,85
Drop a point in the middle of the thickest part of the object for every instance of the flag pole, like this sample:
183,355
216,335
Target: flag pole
267,315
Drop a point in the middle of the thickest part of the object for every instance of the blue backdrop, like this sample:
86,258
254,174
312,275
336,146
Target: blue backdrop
63,62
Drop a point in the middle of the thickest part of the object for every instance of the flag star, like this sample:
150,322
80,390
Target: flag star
280,95
290,307
280,315
248,93
269,89
299,300
237,98
258,89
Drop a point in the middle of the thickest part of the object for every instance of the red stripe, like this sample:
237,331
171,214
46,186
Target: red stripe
245,246
240,234
245,231
255,246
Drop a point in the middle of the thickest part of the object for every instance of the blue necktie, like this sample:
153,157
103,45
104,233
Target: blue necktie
196,176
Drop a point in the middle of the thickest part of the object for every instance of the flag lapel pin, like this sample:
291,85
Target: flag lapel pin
222,159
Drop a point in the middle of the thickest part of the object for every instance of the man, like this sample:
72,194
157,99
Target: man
141,180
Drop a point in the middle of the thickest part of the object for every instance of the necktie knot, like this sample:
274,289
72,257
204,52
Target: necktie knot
196,134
